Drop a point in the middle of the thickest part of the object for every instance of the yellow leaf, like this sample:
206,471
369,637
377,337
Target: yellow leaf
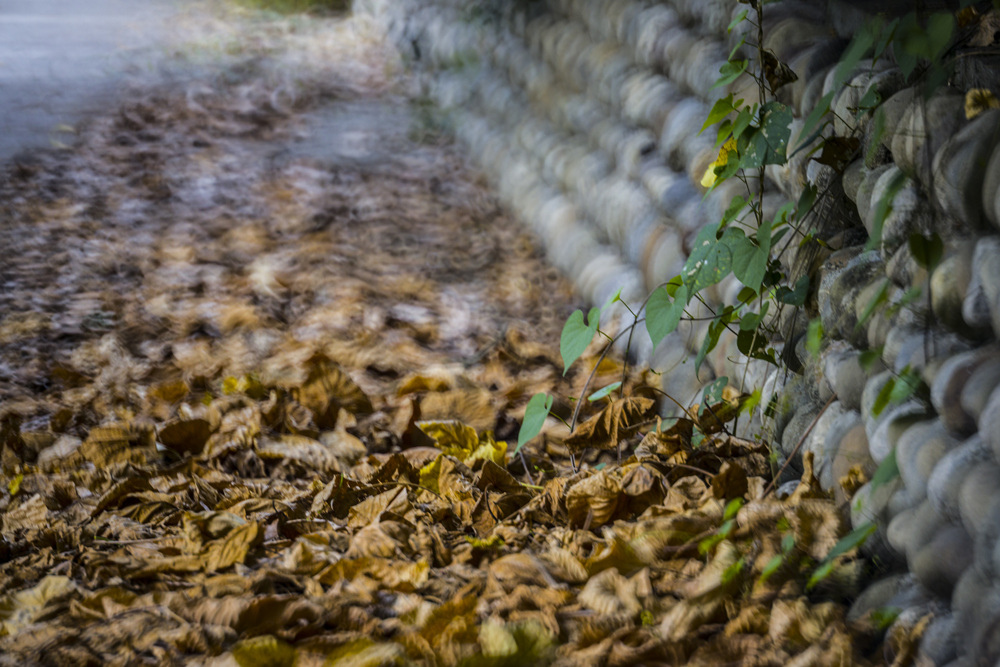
20,609
979,100
15,485
710,177
265,651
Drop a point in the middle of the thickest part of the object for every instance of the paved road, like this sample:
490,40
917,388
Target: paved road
62,60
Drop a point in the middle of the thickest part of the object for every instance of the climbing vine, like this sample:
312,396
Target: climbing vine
747,243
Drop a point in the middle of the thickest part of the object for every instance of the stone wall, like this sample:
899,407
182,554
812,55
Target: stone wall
585,116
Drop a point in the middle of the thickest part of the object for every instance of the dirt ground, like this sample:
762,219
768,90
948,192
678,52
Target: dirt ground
265,345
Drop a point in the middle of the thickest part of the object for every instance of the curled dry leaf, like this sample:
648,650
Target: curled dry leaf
609,426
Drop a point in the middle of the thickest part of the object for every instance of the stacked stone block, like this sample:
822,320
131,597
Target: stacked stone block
586,115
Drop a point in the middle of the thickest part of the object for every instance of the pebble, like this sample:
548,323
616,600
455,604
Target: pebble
940,563
946,391
949,474
923,128
939,643
989,421
918,451
991,189
872,506
979,491
960,167
949,286
979,386
852,452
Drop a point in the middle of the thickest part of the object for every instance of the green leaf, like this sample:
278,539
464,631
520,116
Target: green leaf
883,617
576,336
709,262
603,392
940,28
730,71
715,330
663,314
882,399
534,418
814,336
736,21
732,508
927,251
771,567
869,358
796,296
819,574
614,299
712,393
788,543
735,207
749,260
722,108
733,571
851,541
859,46
885,36
907,384
812,127
880,298
887,471
768,144
742,122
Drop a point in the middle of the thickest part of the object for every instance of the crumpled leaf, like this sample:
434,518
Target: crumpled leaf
605,430
461,441
20,608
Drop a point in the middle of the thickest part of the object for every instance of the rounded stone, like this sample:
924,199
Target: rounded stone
989,422
939,643
976,604
979,386
871,505
889,426
949,285
899,529
795,431
878,594
873,387
960,166
824,440
864,199
924,523
981,306
946,481
940,563
979,491
852,452
946,391
843,373
987,539
991,189
918,451
923,128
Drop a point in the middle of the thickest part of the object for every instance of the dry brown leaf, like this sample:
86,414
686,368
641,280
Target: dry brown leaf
595,500
19,609
369,510
610,593
604,430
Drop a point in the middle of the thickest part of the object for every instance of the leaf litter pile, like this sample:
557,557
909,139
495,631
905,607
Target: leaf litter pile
255,409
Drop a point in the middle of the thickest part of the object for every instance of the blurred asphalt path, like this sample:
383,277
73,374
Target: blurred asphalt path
63,60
